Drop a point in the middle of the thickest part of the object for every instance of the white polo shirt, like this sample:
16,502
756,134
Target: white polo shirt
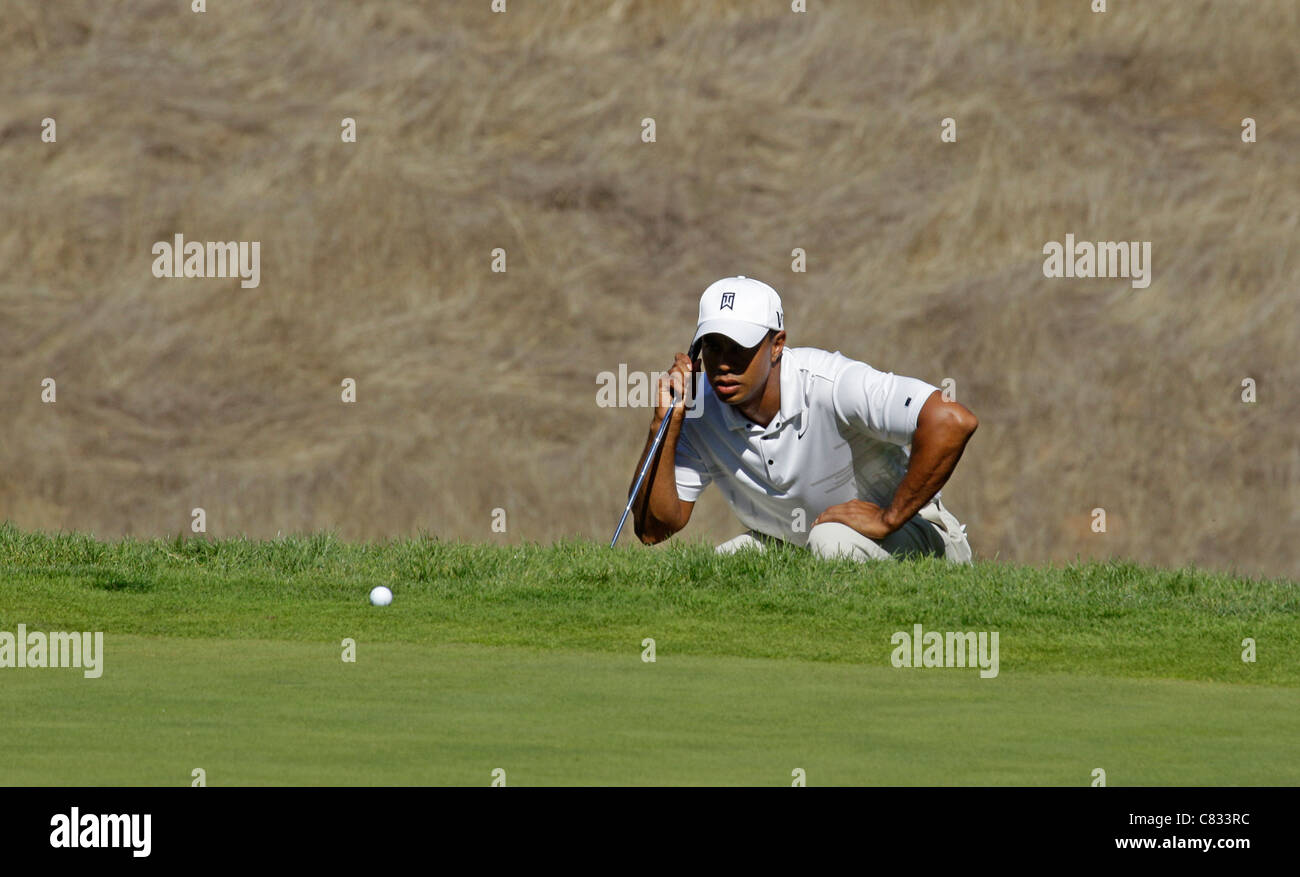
843,432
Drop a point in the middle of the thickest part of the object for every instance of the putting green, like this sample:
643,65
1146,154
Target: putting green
271,712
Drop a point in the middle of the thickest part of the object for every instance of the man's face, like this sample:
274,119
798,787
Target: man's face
738,374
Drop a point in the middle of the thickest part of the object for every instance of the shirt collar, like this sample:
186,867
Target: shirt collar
794,401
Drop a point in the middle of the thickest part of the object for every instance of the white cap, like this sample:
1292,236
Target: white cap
741,308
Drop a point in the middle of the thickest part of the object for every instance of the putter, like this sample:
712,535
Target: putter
654,449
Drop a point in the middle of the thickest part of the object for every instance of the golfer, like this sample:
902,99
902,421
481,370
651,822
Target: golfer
807,446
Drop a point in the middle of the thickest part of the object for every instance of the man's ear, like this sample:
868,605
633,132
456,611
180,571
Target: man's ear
778,346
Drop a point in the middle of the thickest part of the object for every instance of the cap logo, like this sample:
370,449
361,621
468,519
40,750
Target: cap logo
728,301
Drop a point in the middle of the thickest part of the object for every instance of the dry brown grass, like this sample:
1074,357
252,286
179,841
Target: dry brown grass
775,131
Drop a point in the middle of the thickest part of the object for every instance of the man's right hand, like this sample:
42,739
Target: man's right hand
658,512
679,377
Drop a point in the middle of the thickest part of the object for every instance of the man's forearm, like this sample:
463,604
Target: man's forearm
654,510
936,447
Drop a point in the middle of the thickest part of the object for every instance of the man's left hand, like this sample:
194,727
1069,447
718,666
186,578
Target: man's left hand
866,518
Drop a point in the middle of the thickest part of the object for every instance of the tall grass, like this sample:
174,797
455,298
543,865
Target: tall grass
476,391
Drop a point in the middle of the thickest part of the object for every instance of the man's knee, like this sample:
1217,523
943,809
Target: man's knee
743,542
834,539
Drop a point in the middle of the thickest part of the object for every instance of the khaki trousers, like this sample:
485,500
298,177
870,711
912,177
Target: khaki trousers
933,531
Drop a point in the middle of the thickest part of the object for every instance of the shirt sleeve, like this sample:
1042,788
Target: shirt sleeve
692,474
881,404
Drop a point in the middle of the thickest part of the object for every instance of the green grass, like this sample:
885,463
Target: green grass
225,655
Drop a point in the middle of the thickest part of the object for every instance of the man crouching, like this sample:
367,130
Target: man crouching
796,433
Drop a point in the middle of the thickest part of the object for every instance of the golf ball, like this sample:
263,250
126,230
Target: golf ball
381,596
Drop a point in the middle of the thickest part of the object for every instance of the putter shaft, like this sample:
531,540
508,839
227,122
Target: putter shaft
650,458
